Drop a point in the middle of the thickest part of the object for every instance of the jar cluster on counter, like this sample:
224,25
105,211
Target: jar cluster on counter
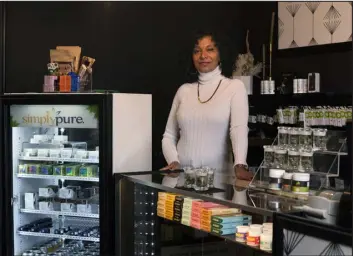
297,182
288,158
200,179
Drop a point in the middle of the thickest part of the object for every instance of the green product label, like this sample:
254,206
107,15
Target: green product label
300,186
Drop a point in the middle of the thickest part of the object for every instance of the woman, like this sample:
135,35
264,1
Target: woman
202,116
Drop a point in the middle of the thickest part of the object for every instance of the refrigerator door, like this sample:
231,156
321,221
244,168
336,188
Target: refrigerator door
57,158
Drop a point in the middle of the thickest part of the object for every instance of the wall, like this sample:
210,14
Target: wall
140,46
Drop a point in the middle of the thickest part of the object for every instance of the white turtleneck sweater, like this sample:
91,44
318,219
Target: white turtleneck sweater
198,134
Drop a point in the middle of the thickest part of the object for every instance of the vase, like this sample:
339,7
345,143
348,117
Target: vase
248,82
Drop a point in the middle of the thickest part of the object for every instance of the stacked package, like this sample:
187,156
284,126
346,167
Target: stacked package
208,212
187,210
227,224
178,207
165,205
197,210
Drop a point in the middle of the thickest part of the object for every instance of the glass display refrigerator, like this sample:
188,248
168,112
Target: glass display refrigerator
59,154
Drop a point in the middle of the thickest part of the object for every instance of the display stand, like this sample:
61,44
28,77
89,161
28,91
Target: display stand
326,165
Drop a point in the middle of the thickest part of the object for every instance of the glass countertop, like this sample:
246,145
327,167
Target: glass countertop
224,193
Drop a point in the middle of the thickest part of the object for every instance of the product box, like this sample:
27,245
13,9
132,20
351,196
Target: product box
186,222
229,225
187,207
196,215
208,212
230,218
205,228
162,195
228,231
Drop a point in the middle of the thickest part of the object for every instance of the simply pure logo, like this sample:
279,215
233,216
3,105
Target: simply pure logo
52,118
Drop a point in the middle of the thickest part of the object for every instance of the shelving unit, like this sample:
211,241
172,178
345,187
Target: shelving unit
49,235
30,183
60,213
229,238
56,177
55,159
326,165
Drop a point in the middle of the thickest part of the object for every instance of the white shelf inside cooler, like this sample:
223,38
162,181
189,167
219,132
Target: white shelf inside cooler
57,159
50,235
57,177
75,214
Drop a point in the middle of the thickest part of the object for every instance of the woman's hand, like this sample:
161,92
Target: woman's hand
243,177
172,166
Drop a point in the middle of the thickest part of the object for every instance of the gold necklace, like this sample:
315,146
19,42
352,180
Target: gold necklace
198,92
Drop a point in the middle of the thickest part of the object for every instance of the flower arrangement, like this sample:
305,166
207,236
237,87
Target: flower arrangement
245,63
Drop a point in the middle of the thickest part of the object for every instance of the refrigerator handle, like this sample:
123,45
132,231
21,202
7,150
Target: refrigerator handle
14,200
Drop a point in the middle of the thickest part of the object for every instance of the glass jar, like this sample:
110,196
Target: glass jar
320,139
305,138
282,136
306,161
210,176
280,157
268,156
293,137
201,183
189,174
293,159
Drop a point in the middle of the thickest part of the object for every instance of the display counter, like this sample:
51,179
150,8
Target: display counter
138,202
143,228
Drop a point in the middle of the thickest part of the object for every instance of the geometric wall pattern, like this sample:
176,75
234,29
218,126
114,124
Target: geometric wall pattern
296,244
303,24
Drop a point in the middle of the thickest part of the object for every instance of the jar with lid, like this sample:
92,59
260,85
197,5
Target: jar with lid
282,136
301,183
293,137
268,156
305,138
306,161
276,179
293,159
287,182
320,139
280,157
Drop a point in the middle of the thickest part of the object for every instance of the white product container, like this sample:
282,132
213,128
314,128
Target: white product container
241,234
276,179
253,238
30,152
256,227
271,87
58,139
287,182
43,152
266,87
81,154
301,183
266,241
66,153
295,86
54,153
